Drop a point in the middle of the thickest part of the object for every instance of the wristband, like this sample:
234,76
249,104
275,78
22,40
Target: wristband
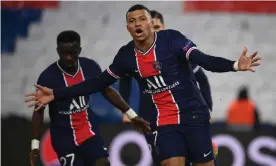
131,113
236,66
35,144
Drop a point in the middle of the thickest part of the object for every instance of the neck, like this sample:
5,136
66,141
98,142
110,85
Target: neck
146,44
70,70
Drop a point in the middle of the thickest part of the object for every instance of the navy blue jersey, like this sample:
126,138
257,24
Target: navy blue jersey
164,74
71,120
145,103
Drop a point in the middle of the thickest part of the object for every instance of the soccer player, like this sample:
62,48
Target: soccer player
201,78
74,137
160,64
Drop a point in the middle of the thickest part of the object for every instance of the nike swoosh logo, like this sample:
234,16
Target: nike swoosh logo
136,71
205,155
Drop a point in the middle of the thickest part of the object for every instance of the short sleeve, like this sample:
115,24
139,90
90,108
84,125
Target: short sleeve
43,79
117,69
182,43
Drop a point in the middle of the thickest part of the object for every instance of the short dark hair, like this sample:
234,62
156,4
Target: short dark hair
156,14
137,7
68,36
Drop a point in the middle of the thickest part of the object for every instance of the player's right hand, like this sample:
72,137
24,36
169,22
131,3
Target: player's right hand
41,97
140,124
34,156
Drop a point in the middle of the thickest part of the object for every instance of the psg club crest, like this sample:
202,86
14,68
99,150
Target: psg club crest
157,65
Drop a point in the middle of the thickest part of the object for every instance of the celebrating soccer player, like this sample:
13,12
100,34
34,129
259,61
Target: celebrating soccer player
160,62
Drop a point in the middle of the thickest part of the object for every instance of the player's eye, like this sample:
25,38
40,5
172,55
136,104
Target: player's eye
131,21
72,52
143,18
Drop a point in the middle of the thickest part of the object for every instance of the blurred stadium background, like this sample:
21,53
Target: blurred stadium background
28,35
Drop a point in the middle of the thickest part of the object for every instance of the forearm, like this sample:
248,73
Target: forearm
211,63
37,123
85,88
115,99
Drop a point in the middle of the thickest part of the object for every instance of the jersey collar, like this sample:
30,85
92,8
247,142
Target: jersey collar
145,53
68,73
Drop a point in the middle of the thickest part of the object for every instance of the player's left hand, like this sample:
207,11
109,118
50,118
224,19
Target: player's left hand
246,63
140,124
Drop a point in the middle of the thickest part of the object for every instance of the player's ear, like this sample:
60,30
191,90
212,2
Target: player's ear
127,28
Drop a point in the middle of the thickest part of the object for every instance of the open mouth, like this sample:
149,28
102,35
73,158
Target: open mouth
139,32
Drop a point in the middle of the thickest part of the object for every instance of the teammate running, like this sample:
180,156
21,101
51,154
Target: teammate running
160,64
74,137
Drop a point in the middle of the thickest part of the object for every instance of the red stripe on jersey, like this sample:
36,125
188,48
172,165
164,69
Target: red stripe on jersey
145,63
79,121
167,109
112,74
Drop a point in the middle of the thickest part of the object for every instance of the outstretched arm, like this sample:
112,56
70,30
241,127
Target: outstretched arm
212,63
46,95
219,64
87,87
